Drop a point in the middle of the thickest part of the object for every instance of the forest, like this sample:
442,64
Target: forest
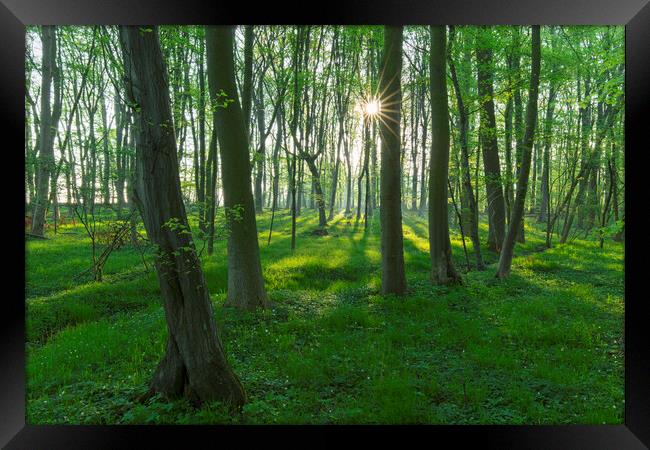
324,224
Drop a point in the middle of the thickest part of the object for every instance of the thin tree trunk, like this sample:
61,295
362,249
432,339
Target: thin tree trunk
472,224
211,197
442,265
260,154
545,182
49,119
505,258
518,126
247,89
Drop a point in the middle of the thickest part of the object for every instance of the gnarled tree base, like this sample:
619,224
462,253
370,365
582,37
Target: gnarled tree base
445,273
172,380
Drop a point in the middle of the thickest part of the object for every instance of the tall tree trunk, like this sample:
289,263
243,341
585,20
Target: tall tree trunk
121,136
393,279
213,168
348,183
194,364
546,159
260,154
364,166
106,175
469,220
415,118
519,131
585,169
276,170
300,201
48,124
508,185
423,167
318,190
245,282
442,265
335,171
202,162
505,259
247,88
488,137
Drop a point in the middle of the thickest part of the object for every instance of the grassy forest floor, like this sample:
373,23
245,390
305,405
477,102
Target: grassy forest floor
543,347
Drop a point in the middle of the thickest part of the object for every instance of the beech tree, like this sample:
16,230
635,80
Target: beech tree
245,281
470,220
194,364
489,144
49,119
442,266
505,258
393,279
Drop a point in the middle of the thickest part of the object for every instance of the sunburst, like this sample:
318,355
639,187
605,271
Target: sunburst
381,106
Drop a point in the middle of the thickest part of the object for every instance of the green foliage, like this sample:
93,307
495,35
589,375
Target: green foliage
544,346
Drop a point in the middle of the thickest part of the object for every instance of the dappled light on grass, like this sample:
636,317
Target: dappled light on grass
544,346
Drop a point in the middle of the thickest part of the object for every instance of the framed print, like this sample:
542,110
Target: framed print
374,218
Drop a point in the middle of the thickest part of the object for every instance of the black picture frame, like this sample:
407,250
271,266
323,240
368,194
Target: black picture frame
634,14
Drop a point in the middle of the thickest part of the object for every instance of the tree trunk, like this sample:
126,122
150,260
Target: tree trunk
546,160
247,88
488,137
106,162
48,125
393,279
585,131
211,197
318,190
519,132
348,184
260,154
508,190
245,282
121,138
469,220
423,167
335,172
505,259
276,171
194,364
414,147
442,265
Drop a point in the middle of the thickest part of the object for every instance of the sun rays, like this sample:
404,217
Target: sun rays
384,105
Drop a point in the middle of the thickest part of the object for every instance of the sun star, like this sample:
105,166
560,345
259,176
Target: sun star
372,107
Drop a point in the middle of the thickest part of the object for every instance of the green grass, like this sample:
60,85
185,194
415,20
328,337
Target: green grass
543,347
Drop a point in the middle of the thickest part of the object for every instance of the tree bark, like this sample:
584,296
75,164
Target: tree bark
247,89
260,154
505,259
442,266
194,364
245,282
546,160
48,125
106,175
583,176
518,126
393,278
469,220
488,137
